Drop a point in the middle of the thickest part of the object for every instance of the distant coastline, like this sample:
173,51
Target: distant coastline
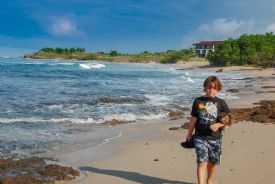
166,57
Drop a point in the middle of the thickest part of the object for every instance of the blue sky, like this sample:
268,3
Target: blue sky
128,26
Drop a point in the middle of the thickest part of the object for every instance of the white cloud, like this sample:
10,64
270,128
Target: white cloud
64,27
219,29
270,28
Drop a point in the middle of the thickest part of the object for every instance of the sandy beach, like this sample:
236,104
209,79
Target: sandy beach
150,153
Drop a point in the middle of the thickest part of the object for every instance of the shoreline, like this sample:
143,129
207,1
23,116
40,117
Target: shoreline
147,152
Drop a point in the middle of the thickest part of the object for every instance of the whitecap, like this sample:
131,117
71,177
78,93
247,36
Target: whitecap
227,96
6,57
158,99
91,65
120,117
190,80
66,63
75,120
21,120
152,116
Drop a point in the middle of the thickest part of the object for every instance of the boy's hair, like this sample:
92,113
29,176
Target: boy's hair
215,80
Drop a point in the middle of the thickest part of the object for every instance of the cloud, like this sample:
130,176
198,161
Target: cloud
270,28
219,29
63,26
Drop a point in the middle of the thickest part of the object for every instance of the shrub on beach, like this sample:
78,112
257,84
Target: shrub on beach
256,50
172,56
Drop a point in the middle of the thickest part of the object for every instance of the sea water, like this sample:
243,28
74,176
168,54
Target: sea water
46,105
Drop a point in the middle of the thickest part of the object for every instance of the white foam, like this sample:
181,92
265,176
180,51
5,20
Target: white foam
67,63
75,120
190,80
227,96
91,65
56,120
18,120
158,99
54,106
109,139
152,116
6,57
121,117
35,63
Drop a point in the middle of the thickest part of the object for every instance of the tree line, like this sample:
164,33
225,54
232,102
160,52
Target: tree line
257,49
58,50
169,56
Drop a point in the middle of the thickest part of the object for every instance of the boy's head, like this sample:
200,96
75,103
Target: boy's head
211,86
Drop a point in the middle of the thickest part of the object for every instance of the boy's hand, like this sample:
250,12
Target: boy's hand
188,137
216,126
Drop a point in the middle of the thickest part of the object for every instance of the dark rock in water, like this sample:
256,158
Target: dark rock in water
180,108
185,126
233,90
264,113
175,115
174,128
33,170
184,109
268,86
115,122
122,100
219,70
272,116
247,78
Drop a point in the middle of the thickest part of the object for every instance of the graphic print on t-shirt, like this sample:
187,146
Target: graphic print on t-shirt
207,112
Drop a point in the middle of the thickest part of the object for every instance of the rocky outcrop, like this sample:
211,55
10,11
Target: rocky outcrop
264,113
219,70
178,113
115,122
123,100
233,90
33,170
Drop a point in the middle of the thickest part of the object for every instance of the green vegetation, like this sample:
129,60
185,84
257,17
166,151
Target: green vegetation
58,50
258,50
170,56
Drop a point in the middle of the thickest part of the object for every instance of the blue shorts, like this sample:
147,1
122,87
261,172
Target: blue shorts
208,150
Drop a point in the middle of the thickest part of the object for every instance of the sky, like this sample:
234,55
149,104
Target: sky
128,26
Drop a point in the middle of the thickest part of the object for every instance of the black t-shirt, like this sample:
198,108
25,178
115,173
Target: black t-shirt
206,110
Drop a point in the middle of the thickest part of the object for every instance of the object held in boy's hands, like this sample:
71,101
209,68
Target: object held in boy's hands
225,118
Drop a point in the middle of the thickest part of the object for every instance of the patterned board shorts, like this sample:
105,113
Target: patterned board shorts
208,150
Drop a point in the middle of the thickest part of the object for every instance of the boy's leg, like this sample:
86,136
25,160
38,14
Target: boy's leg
202,159
201,172
214,159
210,171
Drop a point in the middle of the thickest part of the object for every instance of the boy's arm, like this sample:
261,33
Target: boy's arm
192,123
216,126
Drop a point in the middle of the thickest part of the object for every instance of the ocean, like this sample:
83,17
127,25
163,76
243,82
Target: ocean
52,105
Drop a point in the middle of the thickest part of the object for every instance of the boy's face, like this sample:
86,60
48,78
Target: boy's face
211,90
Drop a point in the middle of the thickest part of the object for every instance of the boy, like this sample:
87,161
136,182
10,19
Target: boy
207,139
